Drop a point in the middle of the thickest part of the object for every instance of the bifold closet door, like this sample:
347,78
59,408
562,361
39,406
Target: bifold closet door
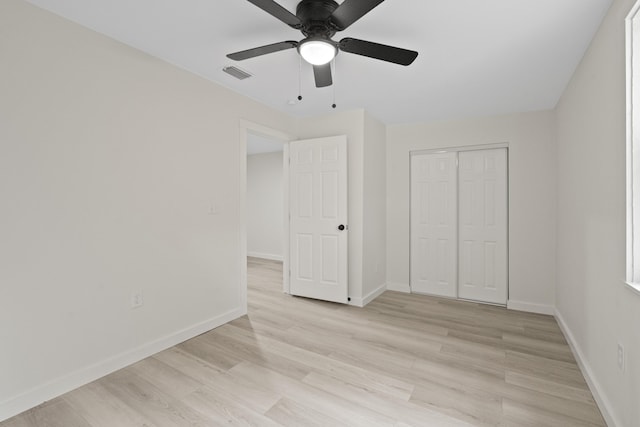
482,230
434,224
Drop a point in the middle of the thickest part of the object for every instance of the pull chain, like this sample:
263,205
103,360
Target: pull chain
334,84
299,78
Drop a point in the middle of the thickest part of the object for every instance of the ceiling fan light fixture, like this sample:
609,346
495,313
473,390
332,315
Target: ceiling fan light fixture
317,51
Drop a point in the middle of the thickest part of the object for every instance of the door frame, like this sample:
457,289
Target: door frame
247,127
458,149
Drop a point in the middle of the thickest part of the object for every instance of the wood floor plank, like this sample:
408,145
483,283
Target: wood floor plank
474,354
222,410
289,413
20,421
56,413
553,388
165,377
251,395
216,381
189,364
307,395
101,408
549,349
517,414
209,353
399,341
404,360
544,335
400,410
260,356
544,402
470,405
538,366
152,403
59,414
319,363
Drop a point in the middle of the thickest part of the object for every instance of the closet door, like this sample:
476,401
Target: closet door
483,225
434,224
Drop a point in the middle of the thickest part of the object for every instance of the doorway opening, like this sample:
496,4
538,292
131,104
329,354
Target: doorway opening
312,238
265,198
264,201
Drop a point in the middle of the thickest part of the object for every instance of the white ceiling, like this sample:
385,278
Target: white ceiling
477,57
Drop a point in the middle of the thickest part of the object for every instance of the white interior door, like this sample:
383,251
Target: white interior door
318,218
483,225
434,224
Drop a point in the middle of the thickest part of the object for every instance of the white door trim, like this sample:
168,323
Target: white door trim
246,127
460,148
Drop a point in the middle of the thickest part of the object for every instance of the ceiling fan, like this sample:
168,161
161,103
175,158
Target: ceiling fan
319,20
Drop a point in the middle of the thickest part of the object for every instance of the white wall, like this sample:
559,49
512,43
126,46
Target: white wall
374,233
109,163
265,213
532,197
594,306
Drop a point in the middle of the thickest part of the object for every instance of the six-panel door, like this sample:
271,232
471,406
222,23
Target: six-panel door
318,209
483,225
434,224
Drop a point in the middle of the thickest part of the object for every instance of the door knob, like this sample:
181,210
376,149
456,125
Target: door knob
341,227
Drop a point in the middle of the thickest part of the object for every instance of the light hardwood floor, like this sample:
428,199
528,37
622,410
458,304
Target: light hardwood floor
404,360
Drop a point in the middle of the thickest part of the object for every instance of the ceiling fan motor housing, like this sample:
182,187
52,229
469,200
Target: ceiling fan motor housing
315,16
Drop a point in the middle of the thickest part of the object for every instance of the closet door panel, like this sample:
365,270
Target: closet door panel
434,224
483,225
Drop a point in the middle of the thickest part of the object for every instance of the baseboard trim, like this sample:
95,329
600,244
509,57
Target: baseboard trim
271,257
374,294
399,287
603,403
530,307
361,302
73,380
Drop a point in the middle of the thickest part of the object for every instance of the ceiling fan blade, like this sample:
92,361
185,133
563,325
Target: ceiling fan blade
352,10
322,74
378,51
274,9
262,50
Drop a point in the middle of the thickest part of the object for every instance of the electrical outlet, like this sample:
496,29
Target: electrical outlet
213,209
620,357
136,299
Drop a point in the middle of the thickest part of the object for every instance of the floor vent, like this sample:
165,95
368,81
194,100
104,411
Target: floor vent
236,72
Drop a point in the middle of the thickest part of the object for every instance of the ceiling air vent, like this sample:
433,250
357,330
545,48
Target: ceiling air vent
236,72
